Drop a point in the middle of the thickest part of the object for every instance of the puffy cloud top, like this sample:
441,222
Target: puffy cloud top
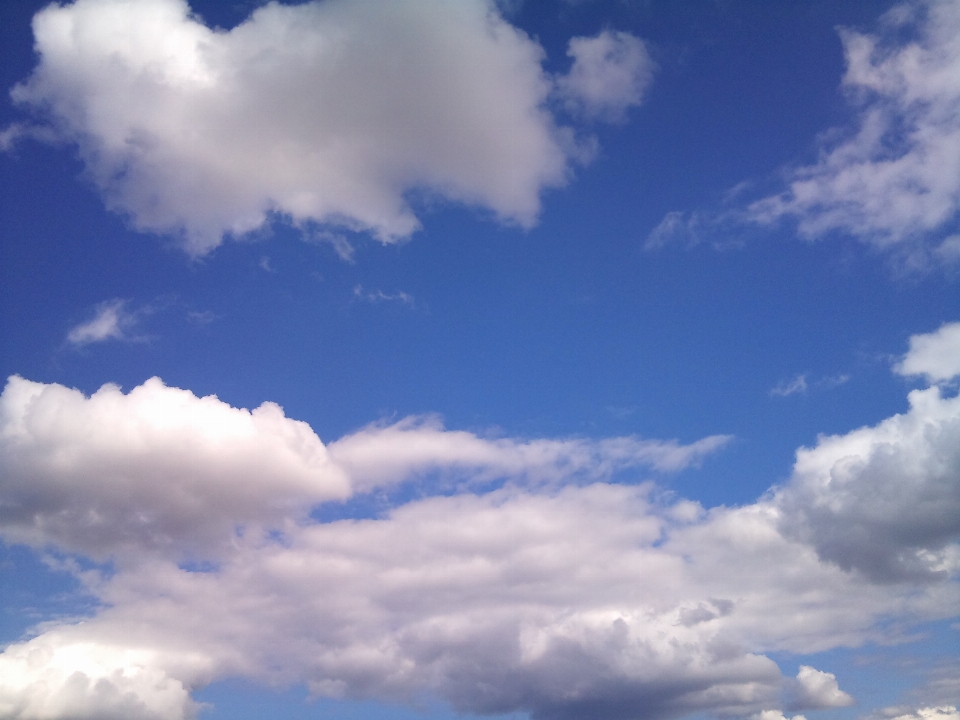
323,112
547,595
934,355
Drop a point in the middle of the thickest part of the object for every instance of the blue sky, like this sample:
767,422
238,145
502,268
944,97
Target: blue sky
556,359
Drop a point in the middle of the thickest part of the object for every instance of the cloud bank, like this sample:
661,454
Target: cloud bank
554,590
330,113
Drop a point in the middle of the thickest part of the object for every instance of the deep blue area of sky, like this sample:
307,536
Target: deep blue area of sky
570,328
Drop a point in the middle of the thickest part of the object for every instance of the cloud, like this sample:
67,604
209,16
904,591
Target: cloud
111,321
161,470
556,592
884,500
323,112
157,469
818,690
895,182
610,73
785,389
936,355
380,296
944,712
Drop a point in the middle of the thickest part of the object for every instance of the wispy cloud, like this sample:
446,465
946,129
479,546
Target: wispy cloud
790,387
378,296
112,320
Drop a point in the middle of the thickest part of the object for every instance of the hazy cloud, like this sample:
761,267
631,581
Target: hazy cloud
791,387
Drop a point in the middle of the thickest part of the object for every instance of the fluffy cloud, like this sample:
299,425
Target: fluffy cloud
161,469
610,73
157,468
896,181
323,112
558,593
936,355
884,500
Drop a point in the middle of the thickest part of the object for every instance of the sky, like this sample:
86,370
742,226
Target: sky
562,360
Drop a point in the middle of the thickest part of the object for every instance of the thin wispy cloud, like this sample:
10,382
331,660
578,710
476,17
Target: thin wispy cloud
112,320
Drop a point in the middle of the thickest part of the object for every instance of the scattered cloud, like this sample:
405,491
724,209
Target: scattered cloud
935,356
265,265
895,182
377,296
799,384
791,387
610,73
444,98
112,320
201,317
557,591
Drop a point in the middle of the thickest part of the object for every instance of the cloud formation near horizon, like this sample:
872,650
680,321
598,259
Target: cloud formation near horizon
557,590
329,113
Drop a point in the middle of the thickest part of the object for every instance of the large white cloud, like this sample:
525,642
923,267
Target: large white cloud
563,600
896,181
160,469
329,112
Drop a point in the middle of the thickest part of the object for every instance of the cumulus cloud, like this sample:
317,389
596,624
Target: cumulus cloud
884,500
163,470
112,320
896,181
818,690
558,592
328,113
610,73
935,356
153,469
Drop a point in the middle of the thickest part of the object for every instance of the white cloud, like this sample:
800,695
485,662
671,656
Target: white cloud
325,112
884,500
896,181
610,73
934,355
157,469
794,386
378,455
775,715
377,296
559,593
162,470
943,712
817,690
111,321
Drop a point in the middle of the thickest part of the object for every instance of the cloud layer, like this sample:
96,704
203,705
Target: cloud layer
329,112
553,591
